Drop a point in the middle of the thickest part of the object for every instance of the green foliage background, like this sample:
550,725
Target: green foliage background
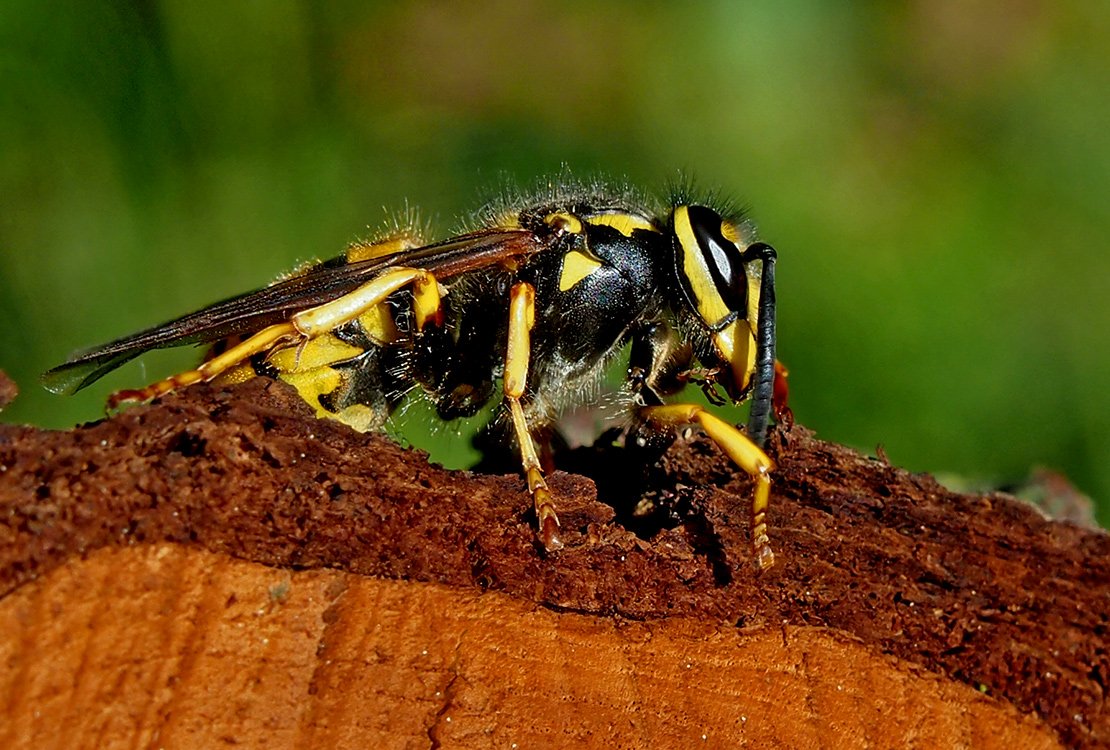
935,176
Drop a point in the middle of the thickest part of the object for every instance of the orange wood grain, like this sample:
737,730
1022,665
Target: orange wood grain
171,646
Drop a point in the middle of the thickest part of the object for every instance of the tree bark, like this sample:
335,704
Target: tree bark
221,567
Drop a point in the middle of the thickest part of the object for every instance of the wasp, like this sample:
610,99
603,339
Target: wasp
530,306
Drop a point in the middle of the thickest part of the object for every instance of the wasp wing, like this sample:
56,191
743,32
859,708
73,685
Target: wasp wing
253,311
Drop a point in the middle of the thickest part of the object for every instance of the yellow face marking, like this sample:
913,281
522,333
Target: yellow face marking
623,223
736,345
381,249
753,302
577,265
731,232
709,303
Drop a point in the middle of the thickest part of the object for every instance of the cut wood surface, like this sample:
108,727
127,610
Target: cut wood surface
219,567
178,647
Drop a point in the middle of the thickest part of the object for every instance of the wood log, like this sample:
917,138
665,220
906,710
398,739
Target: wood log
220,567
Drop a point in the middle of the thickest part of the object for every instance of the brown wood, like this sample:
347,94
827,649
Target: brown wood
173,646
221,567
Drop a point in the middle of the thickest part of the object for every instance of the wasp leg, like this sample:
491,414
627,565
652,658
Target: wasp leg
259,342
306,325
780,401
744,453
522,314
330,315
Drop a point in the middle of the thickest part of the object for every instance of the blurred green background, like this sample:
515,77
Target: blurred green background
935,176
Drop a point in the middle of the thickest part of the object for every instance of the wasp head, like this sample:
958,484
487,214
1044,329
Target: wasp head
719,276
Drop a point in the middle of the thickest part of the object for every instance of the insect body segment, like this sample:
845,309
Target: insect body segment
542,300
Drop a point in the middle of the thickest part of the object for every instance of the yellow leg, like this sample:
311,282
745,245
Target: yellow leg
308,324
330,315
259,342
744,454
522,314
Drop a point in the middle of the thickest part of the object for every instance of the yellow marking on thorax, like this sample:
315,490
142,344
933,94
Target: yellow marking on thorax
623,223
577,265
564,221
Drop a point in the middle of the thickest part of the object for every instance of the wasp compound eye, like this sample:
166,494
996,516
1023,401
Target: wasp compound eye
710,269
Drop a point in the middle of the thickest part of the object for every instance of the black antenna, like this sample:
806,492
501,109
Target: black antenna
763,385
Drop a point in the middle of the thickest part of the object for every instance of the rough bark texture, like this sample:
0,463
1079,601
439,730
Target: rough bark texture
899,614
